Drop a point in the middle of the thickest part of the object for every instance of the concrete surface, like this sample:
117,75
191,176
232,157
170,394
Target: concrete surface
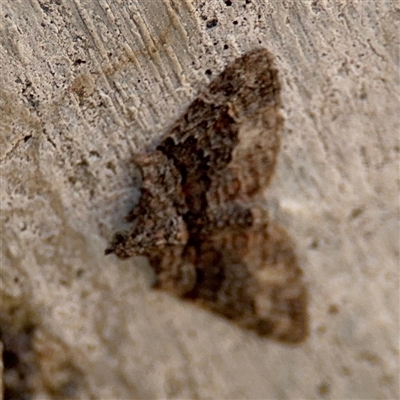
85,84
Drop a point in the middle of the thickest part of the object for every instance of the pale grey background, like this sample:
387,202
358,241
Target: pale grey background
85,84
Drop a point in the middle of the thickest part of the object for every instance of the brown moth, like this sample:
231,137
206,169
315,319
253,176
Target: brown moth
196,220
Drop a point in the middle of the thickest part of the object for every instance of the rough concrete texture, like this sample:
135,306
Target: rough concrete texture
84,85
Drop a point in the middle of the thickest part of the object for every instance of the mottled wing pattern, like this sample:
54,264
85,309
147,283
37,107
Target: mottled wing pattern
254,280
157,220
195,220
227,141
249,276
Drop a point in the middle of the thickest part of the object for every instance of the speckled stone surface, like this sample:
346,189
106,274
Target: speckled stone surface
85,85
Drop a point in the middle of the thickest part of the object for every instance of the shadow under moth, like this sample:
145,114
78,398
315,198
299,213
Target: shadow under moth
196,219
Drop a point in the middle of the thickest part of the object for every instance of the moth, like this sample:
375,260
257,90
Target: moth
197,219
